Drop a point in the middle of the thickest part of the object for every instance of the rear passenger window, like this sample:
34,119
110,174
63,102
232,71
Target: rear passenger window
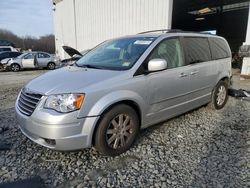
171,51
219,48
197,50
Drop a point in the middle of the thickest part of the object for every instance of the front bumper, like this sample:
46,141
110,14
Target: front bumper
59,133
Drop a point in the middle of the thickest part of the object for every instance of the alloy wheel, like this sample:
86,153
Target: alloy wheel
221,95
119,131
15,68
51,66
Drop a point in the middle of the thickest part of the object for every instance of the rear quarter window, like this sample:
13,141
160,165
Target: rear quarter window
43,55
197,50
219,48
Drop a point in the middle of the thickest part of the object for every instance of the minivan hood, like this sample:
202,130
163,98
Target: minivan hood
69,79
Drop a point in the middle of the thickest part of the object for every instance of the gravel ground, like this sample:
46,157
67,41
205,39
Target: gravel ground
202,148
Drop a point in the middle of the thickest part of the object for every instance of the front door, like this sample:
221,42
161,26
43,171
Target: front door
168,90
28,61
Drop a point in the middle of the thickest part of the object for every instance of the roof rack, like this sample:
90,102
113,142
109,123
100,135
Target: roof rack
162,30
206,32
175,31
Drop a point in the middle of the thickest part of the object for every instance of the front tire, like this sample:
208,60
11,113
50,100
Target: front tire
220,95
51,66
15,67
117,130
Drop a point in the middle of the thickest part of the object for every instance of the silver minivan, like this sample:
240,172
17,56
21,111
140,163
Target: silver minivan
122,86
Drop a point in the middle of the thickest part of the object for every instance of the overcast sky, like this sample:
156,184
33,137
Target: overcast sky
27,17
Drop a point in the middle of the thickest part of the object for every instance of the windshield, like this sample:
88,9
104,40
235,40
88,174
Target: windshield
119,54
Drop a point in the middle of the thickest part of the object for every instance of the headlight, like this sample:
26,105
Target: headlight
64,102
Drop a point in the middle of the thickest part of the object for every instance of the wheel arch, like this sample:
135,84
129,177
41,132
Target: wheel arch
221,78
128,102
15,63
224,76
51,62
226,79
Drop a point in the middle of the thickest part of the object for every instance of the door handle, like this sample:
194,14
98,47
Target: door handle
183,75
194,72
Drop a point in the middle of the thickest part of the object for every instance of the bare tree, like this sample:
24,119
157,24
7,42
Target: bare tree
44,43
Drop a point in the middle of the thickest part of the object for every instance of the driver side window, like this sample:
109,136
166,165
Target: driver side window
171,51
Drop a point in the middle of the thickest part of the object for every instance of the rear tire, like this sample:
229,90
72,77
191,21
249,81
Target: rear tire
219,95
51,66
15,67
117,130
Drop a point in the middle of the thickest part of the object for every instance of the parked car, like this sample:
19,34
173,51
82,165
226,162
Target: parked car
7,49
74,56
32,60
124,85
5,56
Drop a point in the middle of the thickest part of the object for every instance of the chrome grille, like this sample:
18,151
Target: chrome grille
27,102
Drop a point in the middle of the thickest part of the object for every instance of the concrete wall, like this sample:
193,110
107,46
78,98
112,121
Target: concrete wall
83,24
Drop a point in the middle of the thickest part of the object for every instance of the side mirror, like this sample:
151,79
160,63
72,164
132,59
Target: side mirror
157,65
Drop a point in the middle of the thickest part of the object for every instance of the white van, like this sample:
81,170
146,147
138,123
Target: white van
7,49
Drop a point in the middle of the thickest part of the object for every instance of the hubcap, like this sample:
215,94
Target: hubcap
221,95
15,67
51,66
119,131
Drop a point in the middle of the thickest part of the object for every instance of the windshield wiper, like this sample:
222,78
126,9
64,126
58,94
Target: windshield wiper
90,66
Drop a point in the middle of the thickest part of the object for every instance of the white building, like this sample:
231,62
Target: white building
82,24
